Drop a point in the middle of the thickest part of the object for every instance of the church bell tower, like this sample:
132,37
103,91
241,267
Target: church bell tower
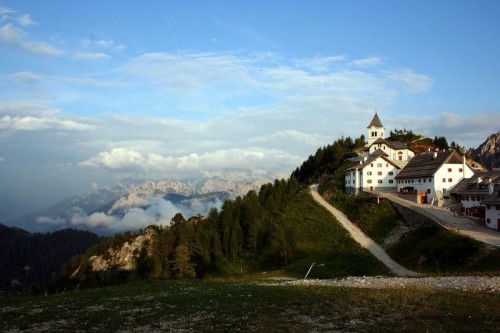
375,130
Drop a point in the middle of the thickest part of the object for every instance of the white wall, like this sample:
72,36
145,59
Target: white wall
493,215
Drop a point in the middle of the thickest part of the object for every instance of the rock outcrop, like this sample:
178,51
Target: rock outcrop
488,153
124,257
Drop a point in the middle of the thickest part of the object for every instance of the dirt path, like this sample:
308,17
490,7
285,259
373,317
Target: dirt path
361,238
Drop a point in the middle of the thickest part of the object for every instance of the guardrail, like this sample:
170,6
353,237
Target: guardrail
414,207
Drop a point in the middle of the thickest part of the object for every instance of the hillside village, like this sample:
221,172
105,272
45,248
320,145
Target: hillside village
442,178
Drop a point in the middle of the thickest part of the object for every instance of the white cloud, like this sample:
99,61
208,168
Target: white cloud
367,62
102,43
25,77
466,130
95,220
49,220
293,135
409,81
9,34
194,164
156,211
30,123
320,63
91,56
5,13
26,20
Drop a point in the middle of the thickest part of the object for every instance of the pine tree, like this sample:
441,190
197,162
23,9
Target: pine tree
183,267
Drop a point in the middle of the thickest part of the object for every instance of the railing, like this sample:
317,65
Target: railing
414,207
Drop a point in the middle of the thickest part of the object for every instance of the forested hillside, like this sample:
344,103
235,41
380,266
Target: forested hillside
32,261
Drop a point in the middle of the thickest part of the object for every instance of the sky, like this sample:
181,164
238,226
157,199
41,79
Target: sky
94,92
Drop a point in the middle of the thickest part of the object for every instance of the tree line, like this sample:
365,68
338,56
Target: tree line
32,261
247,230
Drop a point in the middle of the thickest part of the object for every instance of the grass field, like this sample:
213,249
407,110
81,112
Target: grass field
249,306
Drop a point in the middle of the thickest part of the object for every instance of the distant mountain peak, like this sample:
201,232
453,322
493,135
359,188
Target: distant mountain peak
488,153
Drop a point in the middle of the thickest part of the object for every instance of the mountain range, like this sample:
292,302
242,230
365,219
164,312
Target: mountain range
107,210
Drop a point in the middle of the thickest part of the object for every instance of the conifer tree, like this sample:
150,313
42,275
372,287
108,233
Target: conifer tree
183,267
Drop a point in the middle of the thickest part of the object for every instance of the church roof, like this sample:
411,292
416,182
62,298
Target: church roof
396,145
375,122
371,159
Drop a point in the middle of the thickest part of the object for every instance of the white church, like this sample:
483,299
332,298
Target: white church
393,166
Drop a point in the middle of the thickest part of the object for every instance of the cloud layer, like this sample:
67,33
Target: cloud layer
87,109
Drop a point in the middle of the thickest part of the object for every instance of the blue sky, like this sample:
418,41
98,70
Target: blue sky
97,91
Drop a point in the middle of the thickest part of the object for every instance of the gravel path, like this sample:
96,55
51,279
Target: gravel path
462,283
361,238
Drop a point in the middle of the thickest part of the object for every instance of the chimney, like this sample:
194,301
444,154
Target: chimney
491,189
463,166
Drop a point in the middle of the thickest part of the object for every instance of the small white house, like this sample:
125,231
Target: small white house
432,175
492,208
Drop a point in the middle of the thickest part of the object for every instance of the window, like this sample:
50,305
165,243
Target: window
449,169
379,173
488,206
419,180
444,191
390,173
369,173
498,207
460,170
391,181
444,180
387,165
450,180
379,165
371,165
488,221
425,179
429,190
430,180
379,181
369,181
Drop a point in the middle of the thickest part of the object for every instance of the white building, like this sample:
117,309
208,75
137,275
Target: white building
380,164
396,150
375,172
492,208
431,175
470,192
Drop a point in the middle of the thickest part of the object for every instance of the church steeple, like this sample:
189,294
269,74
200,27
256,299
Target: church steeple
375,129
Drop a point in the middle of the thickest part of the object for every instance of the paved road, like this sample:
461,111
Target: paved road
461,224
361,238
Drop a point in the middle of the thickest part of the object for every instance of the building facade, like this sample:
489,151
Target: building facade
471,192
492,209
375,172
381,162
433,175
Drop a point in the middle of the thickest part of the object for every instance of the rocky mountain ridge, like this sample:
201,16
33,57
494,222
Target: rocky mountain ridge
488,153
148,202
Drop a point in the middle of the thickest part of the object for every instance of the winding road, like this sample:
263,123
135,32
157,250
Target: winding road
360,237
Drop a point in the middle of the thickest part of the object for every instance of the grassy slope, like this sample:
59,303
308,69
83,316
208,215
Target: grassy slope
319,238
427,248
214,306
